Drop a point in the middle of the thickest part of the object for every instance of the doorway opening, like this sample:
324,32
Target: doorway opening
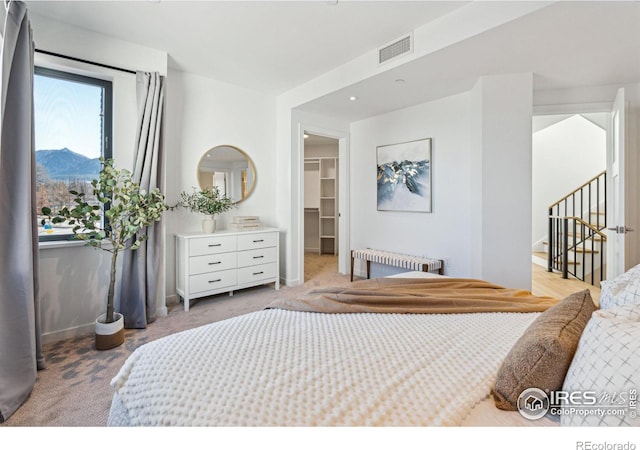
321,205
568,168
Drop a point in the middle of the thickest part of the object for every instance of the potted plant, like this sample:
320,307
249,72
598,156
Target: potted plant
128,209
208,202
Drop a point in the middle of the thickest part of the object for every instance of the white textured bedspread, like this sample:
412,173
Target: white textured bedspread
287,368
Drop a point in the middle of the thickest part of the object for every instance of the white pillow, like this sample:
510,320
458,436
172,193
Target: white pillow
622,290
607,362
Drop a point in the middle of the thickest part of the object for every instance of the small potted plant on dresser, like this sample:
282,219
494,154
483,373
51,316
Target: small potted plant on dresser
128,210
209,202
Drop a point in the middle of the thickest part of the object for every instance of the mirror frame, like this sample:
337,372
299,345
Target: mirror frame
252,168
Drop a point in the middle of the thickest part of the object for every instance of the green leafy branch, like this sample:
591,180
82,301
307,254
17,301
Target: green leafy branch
207,201
128,209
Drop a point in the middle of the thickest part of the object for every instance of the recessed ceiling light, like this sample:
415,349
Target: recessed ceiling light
306,135
400,80
353,98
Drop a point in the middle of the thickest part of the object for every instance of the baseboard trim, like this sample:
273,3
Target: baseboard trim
539,245
171,300
82,330
539,261
89,328
285,282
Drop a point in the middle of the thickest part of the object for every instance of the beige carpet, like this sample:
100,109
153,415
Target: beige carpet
74,388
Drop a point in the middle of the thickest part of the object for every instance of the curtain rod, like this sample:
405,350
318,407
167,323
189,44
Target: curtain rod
106,66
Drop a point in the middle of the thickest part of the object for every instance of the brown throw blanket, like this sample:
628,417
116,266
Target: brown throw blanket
417,295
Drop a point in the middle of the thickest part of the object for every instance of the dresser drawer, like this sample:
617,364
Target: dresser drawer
255,257
256,240
213,280
256,273
212,263
208,264
213,244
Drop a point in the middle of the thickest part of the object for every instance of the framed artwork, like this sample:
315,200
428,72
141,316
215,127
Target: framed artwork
404,176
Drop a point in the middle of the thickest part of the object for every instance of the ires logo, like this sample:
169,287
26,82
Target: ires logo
534,403
578,398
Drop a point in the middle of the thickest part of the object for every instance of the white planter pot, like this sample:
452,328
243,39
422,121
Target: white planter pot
208,224
109,335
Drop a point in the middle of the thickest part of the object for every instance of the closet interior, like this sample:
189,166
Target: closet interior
321,195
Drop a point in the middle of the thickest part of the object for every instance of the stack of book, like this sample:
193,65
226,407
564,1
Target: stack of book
245,223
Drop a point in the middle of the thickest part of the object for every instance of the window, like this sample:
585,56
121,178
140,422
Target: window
73,117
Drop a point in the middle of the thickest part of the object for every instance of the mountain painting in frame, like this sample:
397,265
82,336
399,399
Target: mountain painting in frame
404,176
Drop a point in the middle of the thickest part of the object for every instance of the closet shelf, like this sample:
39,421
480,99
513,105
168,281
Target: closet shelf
321,187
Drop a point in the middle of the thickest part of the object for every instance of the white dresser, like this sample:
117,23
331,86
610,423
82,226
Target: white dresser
225,261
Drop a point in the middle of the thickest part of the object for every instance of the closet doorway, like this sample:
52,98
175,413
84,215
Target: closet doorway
321,205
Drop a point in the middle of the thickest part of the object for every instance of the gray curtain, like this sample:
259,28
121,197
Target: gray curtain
141,268
20,347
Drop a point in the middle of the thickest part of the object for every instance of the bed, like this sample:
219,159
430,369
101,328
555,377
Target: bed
291,366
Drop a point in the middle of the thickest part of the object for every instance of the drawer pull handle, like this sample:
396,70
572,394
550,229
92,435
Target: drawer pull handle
258,273
215,245
258,240
215,281
214,263
258,257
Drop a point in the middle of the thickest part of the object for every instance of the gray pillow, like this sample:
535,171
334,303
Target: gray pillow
542,356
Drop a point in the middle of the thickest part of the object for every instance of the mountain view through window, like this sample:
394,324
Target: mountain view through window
72,121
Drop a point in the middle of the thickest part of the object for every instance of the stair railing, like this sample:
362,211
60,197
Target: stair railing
573,235
573,231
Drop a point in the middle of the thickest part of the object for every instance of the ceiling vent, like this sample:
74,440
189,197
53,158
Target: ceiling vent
395,49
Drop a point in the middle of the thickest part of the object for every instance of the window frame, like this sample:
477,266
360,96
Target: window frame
107,124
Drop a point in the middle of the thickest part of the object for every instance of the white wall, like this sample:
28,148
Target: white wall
74,279
444,233
632,168
502,110
565,156
204,113
80,43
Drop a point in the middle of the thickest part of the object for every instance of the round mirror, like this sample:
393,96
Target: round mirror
230,169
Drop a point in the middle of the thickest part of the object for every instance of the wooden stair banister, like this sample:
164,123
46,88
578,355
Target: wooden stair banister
576,222
601,174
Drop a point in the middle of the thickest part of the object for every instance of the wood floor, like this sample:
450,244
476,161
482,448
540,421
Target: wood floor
552,285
